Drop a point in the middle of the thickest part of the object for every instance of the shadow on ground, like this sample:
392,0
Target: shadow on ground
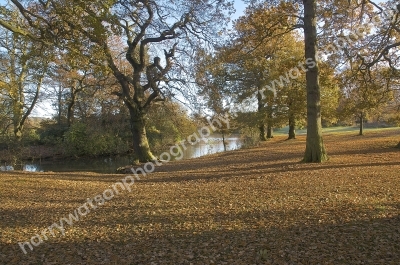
375,241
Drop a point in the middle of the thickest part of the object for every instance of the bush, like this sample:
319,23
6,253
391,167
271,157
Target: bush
394,121
51,133
30,137
81,140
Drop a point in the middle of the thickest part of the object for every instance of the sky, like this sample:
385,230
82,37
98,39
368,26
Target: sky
240,6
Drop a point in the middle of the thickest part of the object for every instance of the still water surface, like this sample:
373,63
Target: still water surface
109,165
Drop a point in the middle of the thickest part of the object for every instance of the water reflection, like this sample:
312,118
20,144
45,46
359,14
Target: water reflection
207,146
211,146
6,168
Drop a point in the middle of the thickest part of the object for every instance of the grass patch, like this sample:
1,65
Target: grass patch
336,130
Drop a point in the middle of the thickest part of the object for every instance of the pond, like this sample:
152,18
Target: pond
207,146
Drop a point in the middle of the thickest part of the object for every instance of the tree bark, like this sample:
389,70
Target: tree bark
263,137
292,127
361,124
269,131
270,122
75,89
223,141
17,118
261,126
70,110
140,143
315,149
18,133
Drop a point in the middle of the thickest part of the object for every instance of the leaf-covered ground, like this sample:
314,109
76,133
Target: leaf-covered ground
252,206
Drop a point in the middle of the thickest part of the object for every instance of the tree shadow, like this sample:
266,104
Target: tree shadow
363,241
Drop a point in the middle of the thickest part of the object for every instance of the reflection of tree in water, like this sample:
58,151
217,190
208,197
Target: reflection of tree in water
210,149
109,165
216,145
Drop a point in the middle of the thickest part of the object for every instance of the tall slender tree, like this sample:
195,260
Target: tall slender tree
24,67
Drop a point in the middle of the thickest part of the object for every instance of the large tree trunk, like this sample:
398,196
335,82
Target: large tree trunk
18,114
18,133
140,143
292,127
361,124
315,150
263,137
269,131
